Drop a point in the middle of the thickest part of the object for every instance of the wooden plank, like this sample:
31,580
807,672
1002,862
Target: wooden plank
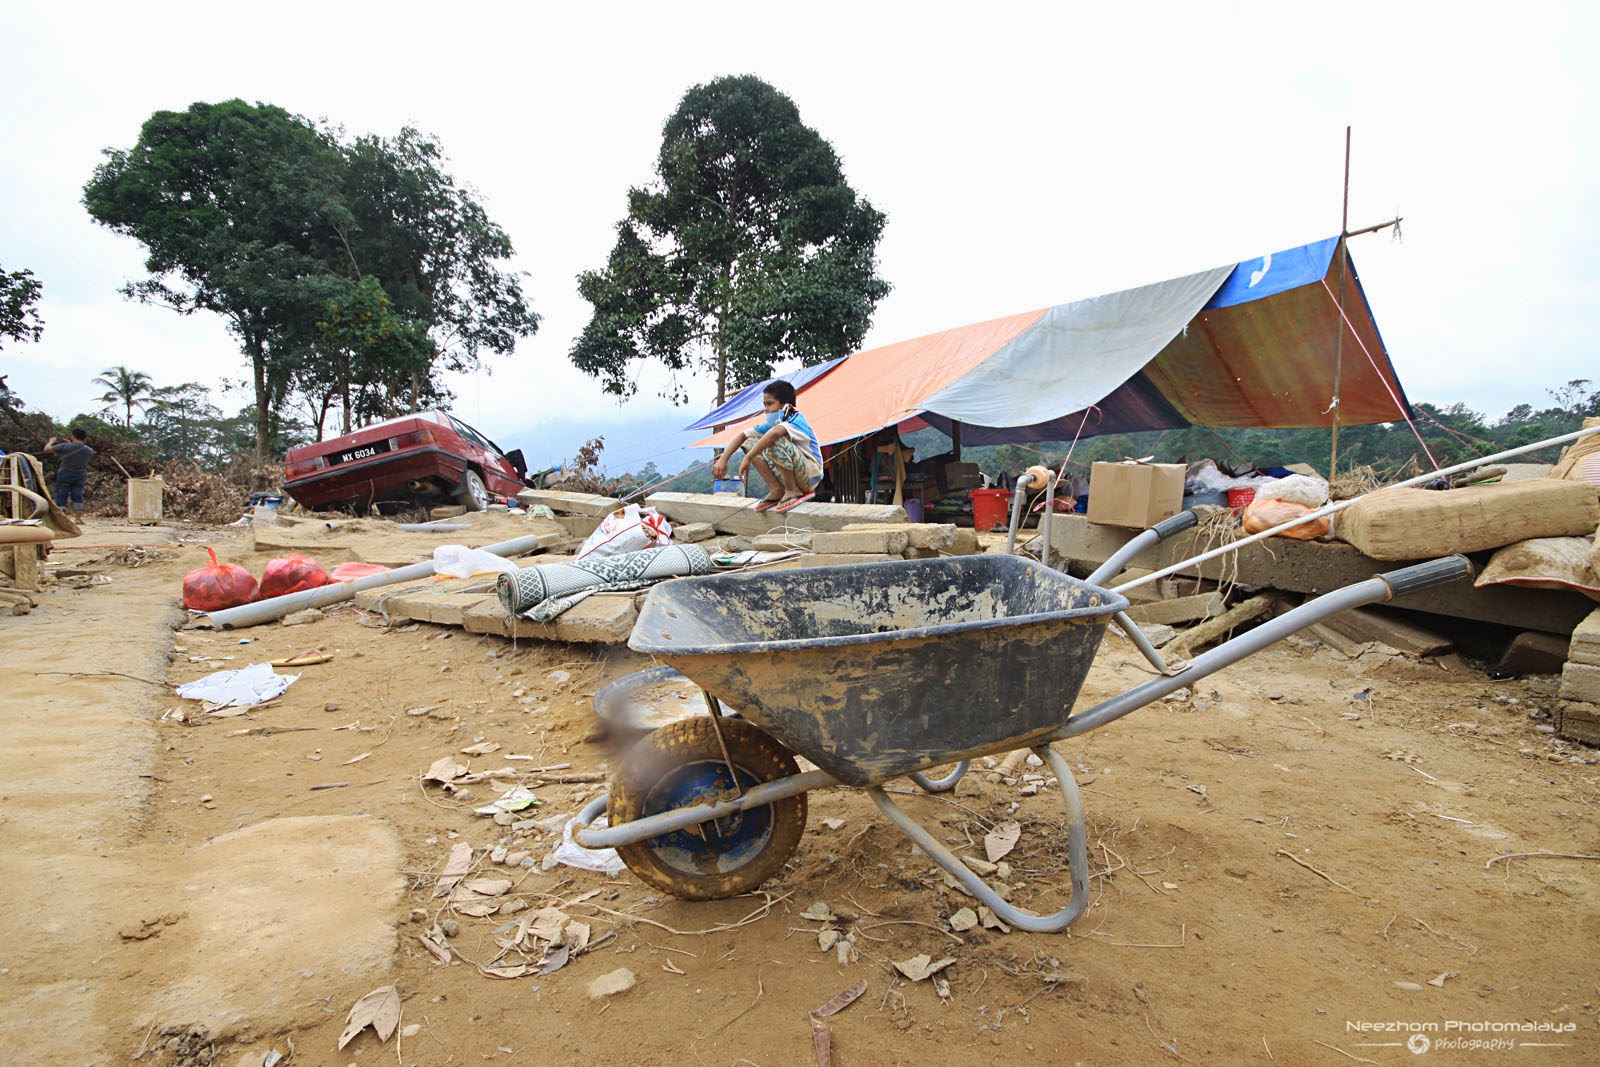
1317,567
1182,609
1359,624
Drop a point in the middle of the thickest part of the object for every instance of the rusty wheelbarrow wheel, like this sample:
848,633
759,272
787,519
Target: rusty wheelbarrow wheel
681,765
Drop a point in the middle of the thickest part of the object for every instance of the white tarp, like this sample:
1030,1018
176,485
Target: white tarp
1076,354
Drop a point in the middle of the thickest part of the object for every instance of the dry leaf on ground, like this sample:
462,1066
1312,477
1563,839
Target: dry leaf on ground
379,1009
1001,840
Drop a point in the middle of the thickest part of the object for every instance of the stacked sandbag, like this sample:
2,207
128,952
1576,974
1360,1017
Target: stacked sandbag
1580,461
1407,524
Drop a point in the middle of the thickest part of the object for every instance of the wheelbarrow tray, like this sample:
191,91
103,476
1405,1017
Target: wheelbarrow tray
873,671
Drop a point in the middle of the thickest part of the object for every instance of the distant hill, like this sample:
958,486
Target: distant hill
630,443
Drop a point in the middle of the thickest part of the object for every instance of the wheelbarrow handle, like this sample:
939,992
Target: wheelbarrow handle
1178,523
1422,576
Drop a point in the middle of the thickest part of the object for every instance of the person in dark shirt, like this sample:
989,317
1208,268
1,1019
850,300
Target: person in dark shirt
73,473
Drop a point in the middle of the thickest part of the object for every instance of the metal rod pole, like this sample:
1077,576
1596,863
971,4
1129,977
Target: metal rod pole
1338,344
1329,509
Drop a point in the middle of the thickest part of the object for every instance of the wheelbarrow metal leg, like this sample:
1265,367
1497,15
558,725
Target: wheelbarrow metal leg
1077,854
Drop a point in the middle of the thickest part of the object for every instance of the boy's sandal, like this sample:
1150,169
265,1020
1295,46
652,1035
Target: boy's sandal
767,504
791,502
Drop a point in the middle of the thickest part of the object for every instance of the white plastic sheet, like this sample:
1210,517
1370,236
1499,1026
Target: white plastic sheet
241,688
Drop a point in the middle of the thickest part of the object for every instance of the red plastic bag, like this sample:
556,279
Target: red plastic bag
217,586
349,572
293,573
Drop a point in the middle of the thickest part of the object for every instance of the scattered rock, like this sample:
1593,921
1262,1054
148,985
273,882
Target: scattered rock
963,920
449,927
618,981
301,618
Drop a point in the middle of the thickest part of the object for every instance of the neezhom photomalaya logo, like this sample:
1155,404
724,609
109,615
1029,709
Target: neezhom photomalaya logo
1460,1035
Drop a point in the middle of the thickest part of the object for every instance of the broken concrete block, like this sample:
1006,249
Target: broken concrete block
966,543
921,553
734,515
1585,647
604,618
1579,722
939,536
786,541
861,542
1580,682
1532,652
1183,609
832,559
446,511
690,532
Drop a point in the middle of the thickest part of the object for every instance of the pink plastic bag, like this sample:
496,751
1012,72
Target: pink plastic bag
293,573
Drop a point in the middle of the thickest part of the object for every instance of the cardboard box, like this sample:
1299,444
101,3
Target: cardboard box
1135,494
962,476
144,499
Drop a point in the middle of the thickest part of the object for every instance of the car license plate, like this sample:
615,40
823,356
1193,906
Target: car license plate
364,452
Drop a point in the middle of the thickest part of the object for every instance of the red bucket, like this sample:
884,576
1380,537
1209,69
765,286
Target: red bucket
989,508
1238,498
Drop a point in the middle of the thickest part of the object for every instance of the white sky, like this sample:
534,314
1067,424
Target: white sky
1025,154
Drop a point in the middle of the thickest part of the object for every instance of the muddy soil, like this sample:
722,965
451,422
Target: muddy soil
1310,859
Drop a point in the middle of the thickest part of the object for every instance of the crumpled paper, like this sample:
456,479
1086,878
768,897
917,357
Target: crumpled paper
241,688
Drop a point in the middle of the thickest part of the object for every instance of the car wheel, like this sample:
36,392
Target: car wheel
474,496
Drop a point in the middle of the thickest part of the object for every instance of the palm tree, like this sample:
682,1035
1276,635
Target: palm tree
130,388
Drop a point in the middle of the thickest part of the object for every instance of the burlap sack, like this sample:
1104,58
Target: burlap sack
1580,461
1544,563
1405,524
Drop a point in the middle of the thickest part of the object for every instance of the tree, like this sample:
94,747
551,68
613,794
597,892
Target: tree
259,216
377,356
19,312
433,250
749,248
130,388
235,204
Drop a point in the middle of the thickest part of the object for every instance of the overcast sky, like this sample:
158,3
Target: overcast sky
1025,154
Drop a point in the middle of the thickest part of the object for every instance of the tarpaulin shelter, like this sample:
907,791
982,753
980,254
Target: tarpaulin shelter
1262,343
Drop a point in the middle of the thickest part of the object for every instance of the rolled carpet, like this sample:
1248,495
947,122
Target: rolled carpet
543,592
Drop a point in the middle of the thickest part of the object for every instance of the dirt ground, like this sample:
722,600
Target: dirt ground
1302,863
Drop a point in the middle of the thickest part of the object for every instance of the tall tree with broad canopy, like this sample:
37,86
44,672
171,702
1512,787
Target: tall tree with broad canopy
749,248
259,216
235,204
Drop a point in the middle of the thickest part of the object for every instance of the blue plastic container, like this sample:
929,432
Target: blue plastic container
728,485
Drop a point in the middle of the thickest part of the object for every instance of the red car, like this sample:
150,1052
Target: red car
413,459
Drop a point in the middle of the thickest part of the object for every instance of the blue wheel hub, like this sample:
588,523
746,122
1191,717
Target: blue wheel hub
717,846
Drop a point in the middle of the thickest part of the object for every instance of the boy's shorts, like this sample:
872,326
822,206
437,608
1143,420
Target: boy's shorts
788,455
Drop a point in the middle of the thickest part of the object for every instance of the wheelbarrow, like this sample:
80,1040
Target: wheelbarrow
879,671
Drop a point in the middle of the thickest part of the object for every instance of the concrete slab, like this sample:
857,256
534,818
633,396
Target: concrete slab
1579,722
938,536
735,515
604,618
877,542
1317,567
692,532
586,504
839,559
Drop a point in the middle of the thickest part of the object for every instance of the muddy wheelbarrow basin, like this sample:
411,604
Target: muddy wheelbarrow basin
875,671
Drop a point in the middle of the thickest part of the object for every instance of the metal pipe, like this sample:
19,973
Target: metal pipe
1329,509
279,606
1044,527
